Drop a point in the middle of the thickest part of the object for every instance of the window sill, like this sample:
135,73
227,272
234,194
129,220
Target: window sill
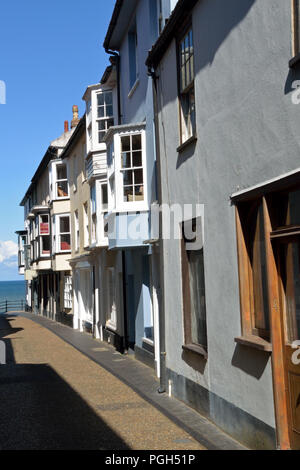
192,140
195,348
134,87
65,198
255,342
294,61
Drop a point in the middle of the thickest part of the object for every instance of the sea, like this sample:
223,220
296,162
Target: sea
12,290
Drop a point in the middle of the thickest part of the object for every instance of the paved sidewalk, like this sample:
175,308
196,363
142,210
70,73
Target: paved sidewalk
114,406
142,380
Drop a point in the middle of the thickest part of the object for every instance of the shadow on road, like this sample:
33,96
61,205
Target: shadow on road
39,410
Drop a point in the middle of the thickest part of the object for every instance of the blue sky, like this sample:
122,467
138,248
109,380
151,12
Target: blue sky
49,53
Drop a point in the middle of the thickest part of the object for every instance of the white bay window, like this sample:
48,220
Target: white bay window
132,168
127,174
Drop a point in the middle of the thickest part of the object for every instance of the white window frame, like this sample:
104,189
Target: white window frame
55,181
106,118
76,231
68,292
104,208
93,213
111,319
85,211
121,205
43,235
59,234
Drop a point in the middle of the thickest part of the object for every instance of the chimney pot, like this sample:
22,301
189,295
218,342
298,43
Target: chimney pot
66,126
75,119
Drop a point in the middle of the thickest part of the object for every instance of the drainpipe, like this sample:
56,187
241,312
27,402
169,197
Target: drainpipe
115,54
125,333
162,342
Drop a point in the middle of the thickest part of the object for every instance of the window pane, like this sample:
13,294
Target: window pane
128,178
64,225
65,242
290,262
101,113
188,76
192,112
45,245
104,197
197,293
138,177
125,144
136,159
259,271
108,98
139,193
126,160
191,42
110,123
61,172
128,193
285,209
44,225
101,136
294,208
100,99
62,189
102,125
137,142
109,110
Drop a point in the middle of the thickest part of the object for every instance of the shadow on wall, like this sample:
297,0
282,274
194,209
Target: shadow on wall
253,364
293,76
215,21
195,361
219,19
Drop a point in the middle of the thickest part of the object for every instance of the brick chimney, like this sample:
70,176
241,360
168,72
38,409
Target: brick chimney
75,119
66,126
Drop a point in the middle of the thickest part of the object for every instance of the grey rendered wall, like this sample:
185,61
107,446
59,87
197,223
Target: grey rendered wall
248,132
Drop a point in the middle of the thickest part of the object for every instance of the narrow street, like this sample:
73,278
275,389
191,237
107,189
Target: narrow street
54,397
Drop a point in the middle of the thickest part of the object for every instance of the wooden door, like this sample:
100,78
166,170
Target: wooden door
288,253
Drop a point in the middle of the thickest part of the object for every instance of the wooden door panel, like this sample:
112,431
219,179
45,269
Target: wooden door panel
294,392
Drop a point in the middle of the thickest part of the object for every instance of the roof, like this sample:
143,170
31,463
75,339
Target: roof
106,74
180,12
119,23
49,155
77,134
123,127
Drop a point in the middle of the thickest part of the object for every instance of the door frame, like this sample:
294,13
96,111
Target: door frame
281,387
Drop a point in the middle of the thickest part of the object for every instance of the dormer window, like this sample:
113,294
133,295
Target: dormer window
105,114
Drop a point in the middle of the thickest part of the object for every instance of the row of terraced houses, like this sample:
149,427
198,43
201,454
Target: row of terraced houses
196,112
